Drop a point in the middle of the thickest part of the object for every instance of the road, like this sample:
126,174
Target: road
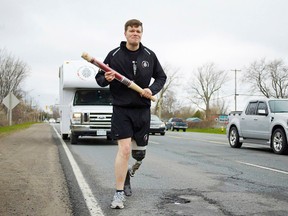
183,174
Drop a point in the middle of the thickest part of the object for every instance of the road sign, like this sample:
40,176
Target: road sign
223,118
10,101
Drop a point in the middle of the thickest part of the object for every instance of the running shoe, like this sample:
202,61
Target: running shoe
118,200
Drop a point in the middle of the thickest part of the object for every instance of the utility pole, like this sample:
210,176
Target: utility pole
235,95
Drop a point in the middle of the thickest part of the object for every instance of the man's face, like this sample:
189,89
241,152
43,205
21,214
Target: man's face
133,35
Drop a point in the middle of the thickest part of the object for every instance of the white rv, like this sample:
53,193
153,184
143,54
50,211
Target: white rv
85,107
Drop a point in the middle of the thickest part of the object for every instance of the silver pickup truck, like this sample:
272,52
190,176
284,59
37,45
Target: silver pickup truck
262,122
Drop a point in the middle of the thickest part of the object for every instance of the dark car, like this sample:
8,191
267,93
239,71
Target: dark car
157,126
176,124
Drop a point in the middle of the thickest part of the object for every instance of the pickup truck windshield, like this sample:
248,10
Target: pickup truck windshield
92,97
278,106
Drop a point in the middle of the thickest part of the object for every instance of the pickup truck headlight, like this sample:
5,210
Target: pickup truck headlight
76,118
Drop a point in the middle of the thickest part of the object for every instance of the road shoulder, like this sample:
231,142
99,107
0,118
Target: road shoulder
32,180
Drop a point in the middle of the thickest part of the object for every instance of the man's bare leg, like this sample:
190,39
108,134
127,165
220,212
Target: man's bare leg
121,166
121,162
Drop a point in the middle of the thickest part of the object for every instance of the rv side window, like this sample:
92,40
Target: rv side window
93,97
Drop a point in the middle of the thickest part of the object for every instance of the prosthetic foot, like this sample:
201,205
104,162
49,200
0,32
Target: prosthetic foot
134,168
138,153
127,185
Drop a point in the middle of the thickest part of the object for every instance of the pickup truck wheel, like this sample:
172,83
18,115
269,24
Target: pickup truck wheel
279,142
184,130
234,138
73,138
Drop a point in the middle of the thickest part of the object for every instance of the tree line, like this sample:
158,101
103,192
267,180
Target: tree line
13,72
267,78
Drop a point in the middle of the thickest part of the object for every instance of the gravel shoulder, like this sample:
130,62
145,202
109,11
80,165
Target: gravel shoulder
31,178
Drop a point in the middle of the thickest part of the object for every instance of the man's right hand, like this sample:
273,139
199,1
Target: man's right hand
109,75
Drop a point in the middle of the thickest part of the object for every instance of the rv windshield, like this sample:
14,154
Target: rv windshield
92,97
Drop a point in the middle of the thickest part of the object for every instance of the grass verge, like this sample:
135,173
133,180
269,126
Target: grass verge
208,130
10,129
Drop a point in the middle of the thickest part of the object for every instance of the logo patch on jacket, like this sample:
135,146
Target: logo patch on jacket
145,64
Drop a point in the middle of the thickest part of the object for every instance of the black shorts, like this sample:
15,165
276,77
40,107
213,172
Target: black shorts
131,122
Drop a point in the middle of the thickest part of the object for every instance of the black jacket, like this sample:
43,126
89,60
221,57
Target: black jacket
148,66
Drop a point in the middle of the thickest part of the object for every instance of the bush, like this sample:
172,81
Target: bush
202,124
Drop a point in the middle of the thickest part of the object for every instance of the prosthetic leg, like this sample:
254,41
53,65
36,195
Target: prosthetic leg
138,153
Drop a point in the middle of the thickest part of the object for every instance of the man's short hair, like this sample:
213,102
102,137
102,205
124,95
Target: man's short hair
133,22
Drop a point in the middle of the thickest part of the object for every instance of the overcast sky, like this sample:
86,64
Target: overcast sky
184,34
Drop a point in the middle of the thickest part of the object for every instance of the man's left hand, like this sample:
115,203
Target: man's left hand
147,93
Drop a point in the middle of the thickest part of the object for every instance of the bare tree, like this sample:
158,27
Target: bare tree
165,95
12,73
268,78
278,72
219,106
168,105
204,85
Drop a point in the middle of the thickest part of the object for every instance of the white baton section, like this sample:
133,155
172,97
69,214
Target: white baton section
89,198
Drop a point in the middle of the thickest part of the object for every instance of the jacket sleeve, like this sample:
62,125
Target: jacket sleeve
100,78
159,77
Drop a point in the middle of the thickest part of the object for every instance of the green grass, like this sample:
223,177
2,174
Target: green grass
9,129
208,130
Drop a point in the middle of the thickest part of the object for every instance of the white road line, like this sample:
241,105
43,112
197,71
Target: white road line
202,140
178,137
262,167
89,198
216,142
154,142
